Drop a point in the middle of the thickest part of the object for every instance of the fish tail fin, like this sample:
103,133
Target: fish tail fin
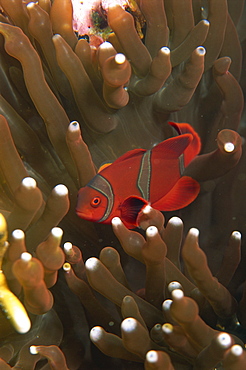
195,145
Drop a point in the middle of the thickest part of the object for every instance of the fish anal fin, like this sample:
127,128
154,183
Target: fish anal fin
130,209
181,195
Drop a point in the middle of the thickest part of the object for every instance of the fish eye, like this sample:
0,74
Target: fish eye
95,201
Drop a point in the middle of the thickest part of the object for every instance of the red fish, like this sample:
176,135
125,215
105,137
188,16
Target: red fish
141,177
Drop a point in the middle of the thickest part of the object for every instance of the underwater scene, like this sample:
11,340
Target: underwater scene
122,184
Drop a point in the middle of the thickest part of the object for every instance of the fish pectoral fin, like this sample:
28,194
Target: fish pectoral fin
130,209
181,195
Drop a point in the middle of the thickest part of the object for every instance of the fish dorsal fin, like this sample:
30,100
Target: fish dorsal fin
183,193
130,209
103,166
130,154
195,145
175,146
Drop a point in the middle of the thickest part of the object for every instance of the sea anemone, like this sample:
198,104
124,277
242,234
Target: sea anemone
73,100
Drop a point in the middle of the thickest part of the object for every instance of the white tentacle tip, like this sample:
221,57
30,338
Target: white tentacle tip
33,350
116,221
152,357
74,126
194,232
229,147
151,231
60,190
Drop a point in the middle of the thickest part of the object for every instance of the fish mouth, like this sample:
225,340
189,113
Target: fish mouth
84,214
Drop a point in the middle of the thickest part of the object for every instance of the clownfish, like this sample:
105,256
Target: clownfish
143,177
